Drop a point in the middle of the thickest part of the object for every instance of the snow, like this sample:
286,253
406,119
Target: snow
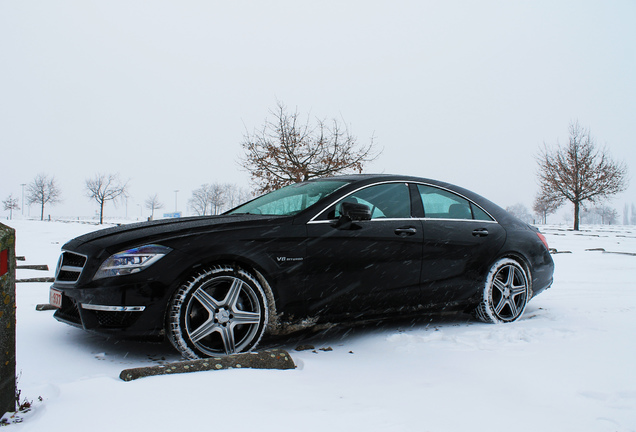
568,364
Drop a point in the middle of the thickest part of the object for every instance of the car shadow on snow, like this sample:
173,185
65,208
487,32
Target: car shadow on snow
320,337
325,336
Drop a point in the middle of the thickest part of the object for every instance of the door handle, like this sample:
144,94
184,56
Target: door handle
480,232
406,231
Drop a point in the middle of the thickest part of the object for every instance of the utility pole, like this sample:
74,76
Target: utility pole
23,185
175,200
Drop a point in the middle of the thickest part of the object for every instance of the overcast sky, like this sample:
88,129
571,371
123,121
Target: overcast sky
162,92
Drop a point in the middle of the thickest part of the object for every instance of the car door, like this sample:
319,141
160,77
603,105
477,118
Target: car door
365,266
460,241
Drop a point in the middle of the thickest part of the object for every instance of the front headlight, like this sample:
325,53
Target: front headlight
131,261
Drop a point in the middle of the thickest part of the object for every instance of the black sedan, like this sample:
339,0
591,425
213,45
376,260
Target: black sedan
328,250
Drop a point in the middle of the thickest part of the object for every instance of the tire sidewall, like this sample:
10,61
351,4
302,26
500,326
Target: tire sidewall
177,309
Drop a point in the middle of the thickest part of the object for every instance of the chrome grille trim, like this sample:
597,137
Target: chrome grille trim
69,267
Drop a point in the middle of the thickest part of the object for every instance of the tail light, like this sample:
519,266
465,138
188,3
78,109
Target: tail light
543,240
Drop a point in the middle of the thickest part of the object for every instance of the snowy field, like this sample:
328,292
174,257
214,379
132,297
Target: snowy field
568,365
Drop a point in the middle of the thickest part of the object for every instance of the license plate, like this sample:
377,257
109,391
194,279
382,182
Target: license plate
55,298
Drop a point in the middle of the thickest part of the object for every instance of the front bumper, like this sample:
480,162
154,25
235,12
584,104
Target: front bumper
135,311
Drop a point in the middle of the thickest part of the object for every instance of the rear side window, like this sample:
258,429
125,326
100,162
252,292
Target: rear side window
442,204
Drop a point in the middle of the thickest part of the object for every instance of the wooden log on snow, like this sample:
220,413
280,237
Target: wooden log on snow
269,359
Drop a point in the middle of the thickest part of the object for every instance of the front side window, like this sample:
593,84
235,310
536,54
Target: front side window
290,200
442,204
386,201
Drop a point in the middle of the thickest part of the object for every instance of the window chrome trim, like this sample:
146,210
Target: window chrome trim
494,220
329,221
105,308
425,219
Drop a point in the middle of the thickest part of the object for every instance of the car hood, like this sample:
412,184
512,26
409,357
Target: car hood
164,229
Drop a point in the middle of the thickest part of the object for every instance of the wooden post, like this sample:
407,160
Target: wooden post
7,320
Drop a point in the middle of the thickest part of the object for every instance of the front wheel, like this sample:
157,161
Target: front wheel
218,311
505,293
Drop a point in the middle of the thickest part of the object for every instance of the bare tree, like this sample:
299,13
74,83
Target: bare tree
152,204
11,204
217,198
520,212
103,188
235,195
208,199
545,205
287,150
43,190
608,215
200,200
579,172
603,215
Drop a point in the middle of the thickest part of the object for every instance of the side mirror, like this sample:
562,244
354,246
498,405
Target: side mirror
355,211
352,212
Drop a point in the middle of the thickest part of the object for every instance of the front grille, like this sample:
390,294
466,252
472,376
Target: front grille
69,268
116,319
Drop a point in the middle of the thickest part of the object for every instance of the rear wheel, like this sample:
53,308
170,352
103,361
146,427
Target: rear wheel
218,311
505,293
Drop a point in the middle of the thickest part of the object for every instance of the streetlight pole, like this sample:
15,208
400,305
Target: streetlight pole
175,200
23,185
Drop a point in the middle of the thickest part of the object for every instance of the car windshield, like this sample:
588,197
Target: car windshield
290,200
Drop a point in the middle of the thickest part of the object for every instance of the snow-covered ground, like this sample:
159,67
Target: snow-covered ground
567,365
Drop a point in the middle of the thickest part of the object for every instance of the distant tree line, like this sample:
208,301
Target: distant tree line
209,199
629,218
287,150
215,198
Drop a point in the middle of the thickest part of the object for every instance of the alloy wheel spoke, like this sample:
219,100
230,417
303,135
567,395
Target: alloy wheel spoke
514,310
243,317
511,277
204,330
502,303
227,334
207,301
499,285
517,290
233,294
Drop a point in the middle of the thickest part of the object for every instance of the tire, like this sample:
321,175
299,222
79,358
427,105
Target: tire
505,292
218,311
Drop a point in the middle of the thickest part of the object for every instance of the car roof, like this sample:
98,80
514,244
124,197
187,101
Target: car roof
377,177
